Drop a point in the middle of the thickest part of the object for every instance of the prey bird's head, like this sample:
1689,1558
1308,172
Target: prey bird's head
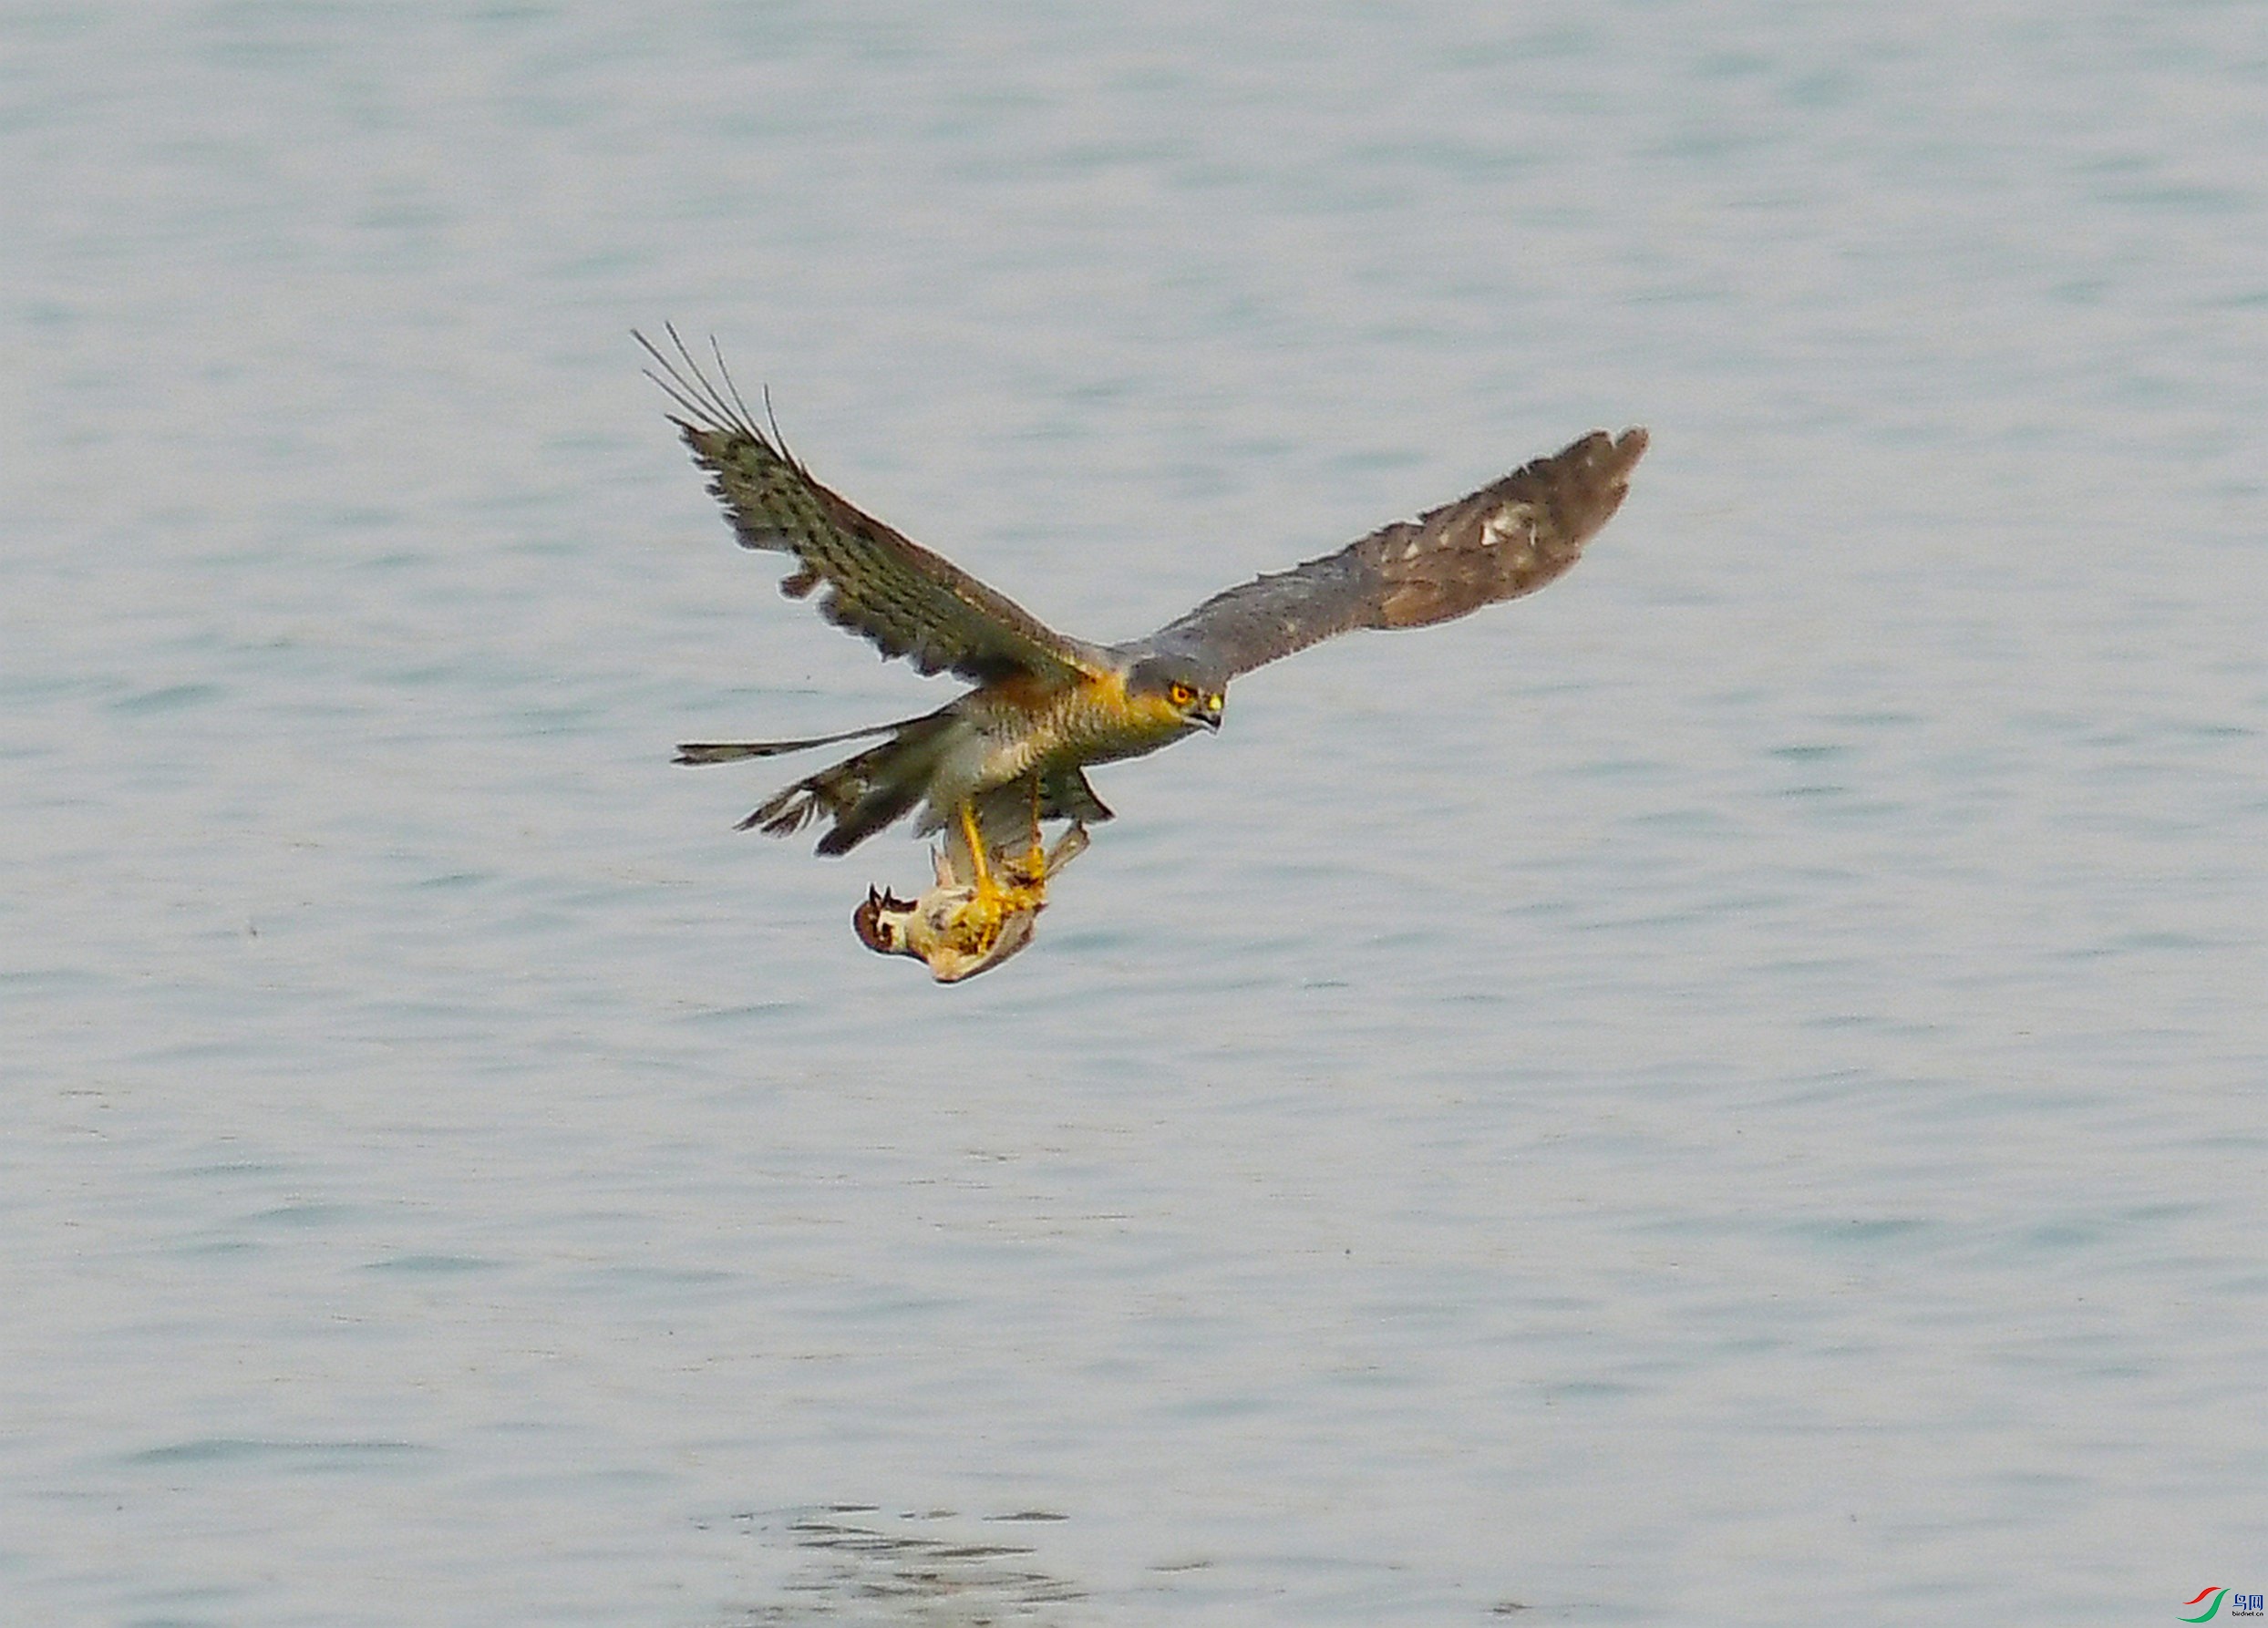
1193,696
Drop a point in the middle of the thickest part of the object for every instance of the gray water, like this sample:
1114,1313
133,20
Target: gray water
1729,1092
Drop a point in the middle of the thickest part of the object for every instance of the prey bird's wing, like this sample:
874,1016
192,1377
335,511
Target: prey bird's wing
1504,540
877,583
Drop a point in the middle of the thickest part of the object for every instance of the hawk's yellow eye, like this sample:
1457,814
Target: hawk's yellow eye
1181,695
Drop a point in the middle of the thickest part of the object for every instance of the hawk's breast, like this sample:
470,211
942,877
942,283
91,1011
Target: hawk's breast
1093,721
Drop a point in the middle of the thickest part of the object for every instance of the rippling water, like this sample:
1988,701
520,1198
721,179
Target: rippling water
1729,1092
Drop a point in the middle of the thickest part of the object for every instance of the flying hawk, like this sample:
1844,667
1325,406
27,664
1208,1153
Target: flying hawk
1013,751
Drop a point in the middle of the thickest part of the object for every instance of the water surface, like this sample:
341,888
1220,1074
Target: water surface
1729,1092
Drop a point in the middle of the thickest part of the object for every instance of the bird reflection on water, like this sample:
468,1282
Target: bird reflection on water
866,1566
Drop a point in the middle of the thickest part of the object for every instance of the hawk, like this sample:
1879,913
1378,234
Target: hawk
1013,751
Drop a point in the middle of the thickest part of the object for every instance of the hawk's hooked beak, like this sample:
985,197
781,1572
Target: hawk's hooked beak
1209,714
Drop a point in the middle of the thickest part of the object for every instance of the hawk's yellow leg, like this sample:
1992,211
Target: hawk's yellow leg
977,859
990,900
994,899
1035,867
978,922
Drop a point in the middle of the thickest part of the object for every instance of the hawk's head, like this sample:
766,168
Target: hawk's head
1193,696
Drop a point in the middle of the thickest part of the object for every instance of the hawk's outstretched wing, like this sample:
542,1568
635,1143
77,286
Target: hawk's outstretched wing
1503,541
886,587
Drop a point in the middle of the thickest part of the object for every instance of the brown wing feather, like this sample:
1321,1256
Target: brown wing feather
874,582
1503,541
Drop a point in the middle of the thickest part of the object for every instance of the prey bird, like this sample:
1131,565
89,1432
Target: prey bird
1013,751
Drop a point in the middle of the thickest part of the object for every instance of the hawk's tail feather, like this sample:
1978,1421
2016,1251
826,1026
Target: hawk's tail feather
882,807
863,793
732,751
786,813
